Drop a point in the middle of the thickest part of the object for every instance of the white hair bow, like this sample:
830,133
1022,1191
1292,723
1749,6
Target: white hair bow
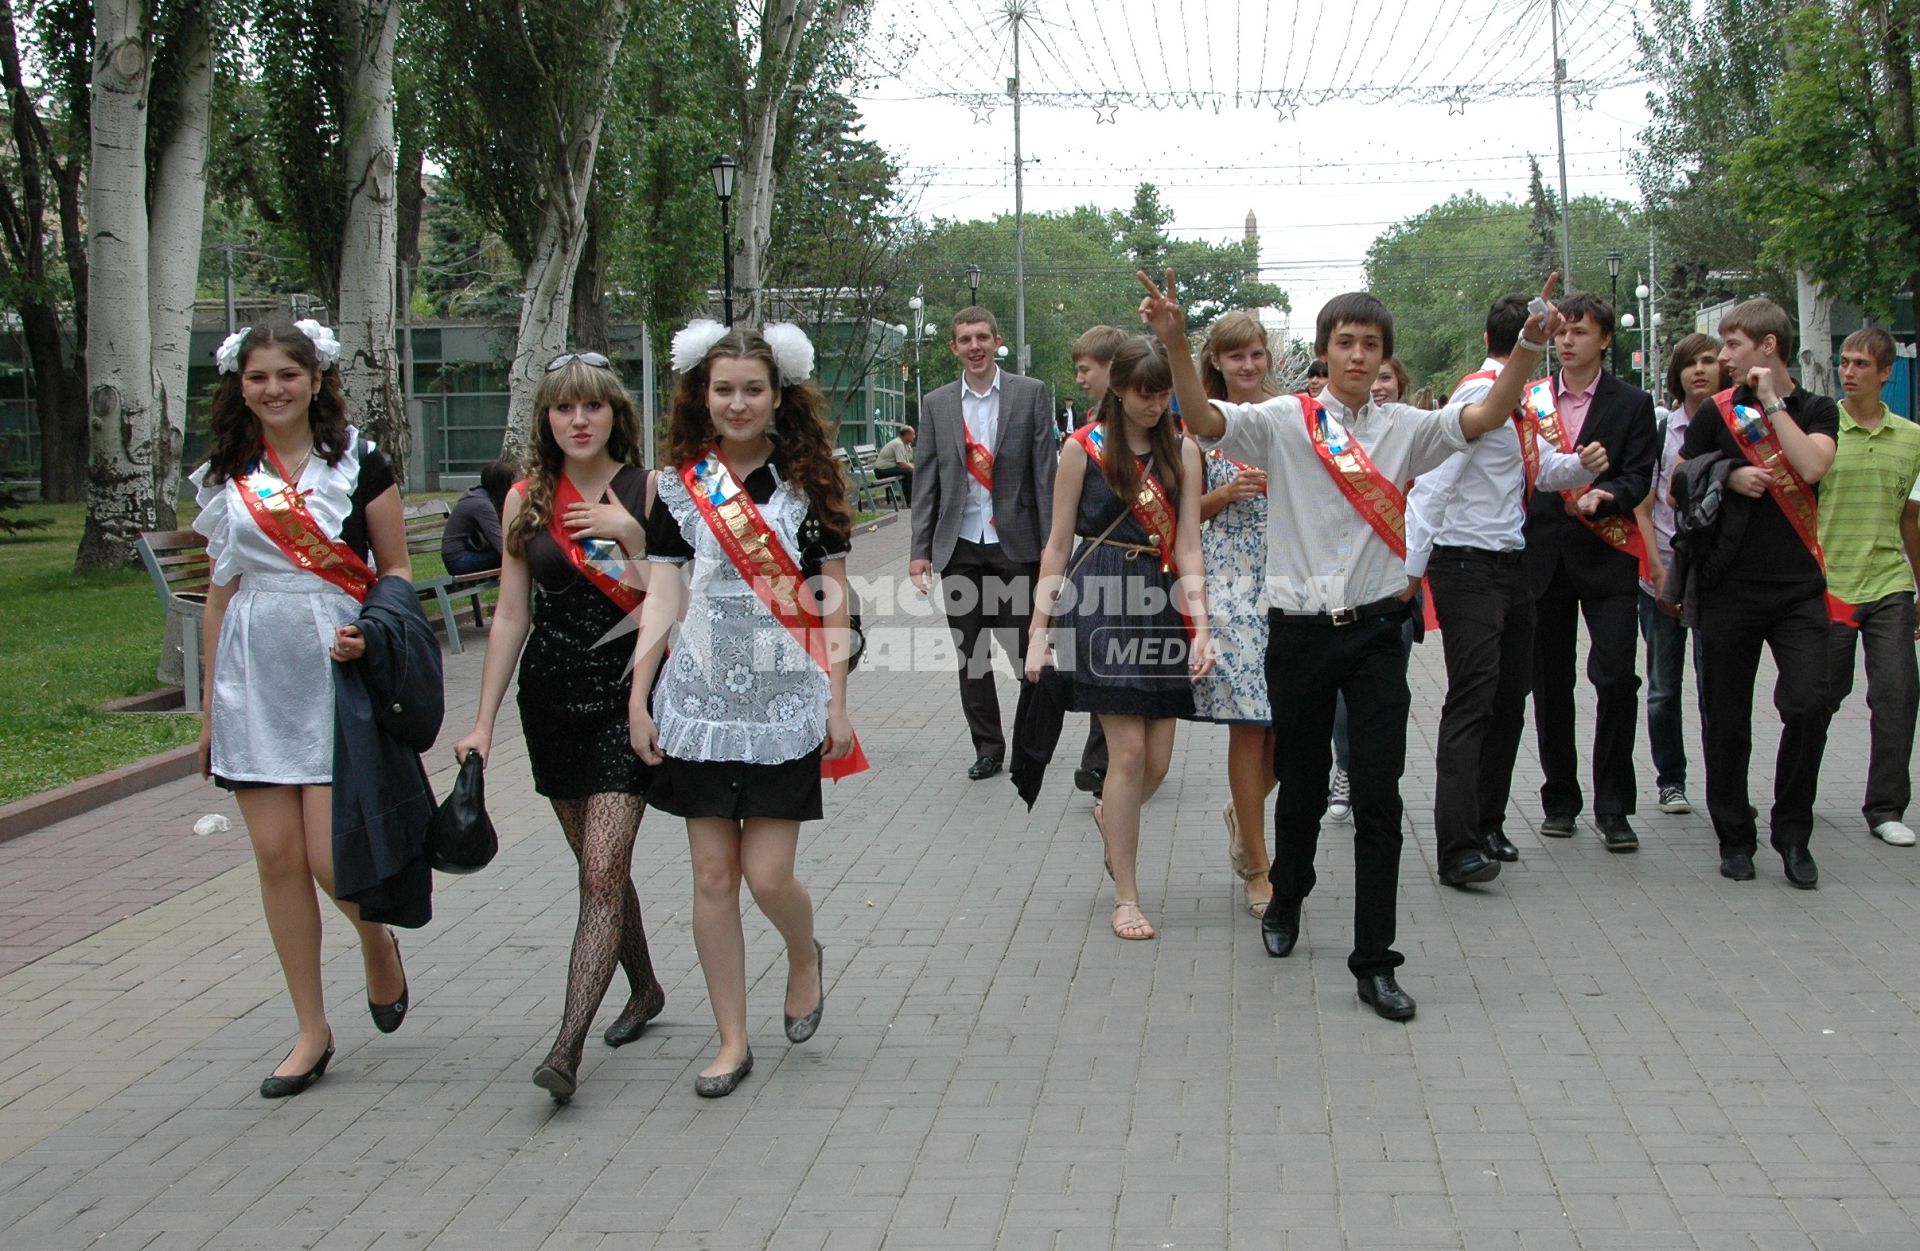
326,345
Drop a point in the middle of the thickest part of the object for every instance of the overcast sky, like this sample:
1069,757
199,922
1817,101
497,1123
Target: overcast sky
1365,115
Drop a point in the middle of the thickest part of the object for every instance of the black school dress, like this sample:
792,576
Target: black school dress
576,673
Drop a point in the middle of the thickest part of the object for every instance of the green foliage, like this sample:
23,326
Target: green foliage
1836,177
298,105
465,269
1214,277
1440,270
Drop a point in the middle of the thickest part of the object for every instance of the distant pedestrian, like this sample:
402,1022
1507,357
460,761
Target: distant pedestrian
470,542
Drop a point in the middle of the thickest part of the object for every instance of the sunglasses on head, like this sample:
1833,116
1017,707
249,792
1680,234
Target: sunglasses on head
585,358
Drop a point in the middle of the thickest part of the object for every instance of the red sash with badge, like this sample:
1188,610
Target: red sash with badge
1760,444
1151,507
1379,502
979,460
766,565
1525,427
599,561
1619,533
279,508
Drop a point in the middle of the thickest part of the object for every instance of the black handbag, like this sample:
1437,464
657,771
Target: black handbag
460,838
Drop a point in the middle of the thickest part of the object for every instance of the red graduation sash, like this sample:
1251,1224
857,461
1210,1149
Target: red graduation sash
1524,427
1379,502
1760,444
979,459
1619,533
279,508
1150,505
766,565
599,561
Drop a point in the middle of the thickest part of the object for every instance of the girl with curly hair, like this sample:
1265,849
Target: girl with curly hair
571,577
293,503
751,708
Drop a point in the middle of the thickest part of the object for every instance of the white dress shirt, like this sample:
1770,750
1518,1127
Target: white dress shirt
1478,497
980,410
1321,554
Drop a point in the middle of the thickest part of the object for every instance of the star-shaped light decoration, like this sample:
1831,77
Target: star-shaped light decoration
982,114
1286,107
1105,111
1457,103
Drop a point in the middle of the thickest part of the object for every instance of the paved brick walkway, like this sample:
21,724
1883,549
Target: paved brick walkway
1611,1052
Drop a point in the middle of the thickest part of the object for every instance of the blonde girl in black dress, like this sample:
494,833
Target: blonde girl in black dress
574,556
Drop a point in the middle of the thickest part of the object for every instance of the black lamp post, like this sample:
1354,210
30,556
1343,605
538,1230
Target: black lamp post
1613,271
973,283
723,169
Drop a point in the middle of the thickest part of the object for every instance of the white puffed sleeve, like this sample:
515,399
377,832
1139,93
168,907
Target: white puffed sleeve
215,521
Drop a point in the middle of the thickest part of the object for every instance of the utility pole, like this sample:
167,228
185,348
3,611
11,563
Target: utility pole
231,327
1560,137
1017,14
1653,319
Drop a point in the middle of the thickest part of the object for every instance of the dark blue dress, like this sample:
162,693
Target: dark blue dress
1119,632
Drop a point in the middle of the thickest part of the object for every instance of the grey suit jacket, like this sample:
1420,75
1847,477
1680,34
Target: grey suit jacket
1025,453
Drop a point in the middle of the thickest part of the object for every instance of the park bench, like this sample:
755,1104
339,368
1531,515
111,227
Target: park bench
866,491
425,522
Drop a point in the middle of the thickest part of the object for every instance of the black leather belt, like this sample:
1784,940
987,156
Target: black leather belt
1513,557
1345,616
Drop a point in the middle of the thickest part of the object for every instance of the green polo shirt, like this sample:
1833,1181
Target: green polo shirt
1861,500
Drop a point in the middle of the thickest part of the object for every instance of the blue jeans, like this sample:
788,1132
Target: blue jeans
1666,641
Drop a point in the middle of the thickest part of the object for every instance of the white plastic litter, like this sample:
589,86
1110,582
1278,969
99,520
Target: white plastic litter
212,823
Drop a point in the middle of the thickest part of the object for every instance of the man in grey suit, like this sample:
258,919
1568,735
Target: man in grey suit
982,503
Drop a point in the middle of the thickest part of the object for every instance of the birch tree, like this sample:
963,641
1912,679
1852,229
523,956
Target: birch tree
368,243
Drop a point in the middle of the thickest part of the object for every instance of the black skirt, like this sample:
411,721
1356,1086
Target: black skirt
574,681
738,791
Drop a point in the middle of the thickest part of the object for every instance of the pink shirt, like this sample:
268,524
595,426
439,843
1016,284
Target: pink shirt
1573,405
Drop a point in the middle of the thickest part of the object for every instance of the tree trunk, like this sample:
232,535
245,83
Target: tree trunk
120,399
179,208
1816,335
59,405
781,31
592,317
546,301
367,247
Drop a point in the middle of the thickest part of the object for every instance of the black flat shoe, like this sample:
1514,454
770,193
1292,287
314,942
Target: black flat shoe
1556,827
723,1084
1387,998
1802,873
985,767
1469,867
1617,833
293,1084
1500,847
1737,866
556,1081
1089,780
632,1021
388,1016
800,1028
1280,926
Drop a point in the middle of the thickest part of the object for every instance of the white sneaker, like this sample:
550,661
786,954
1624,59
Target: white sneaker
1894,834
1340,797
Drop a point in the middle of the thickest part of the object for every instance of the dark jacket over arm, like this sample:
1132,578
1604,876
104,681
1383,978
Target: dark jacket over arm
1621,420
387,709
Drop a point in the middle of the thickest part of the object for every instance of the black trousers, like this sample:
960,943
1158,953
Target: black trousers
1893,695
897,474
1613,634
1485,607
1791,620
1094,755
1308,665
983,591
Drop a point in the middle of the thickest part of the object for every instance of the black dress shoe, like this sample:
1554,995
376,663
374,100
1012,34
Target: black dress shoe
387,1016
1469,866
1387,998
1556,826
1617,832
1801,871
1737,866
556,1081
723,1084
293,1084
632,1021
1280,926
1089,780
985,767
800,1028
1499,846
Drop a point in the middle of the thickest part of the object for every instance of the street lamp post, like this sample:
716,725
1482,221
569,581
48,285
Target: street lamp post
973,284
723,170
1613,271
914,306
1643,293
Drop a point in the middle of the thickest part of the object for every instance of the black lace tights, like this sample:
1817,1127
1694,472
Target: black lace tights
600,829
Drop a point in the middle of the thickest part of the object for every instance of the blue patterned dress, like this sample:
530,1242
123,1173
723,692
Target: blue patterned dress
1233,547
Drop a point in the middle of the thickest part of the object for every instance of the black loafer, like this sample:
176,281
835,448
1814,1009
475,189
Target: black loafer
388,1016
723,1084
1467,867
1802,873
632,1021
1737,866
1617,832
1089,780
294,1083
800,1028
1499,846
1556,826
1387,998
556,1081
1280,926
985,767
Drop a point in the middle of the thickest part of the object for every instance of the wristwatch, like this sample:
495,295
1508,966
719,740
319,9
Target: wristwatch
1777,406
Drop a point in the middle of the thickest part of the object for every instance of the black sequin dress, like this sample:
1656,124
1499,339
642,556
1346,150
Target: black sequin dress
576,673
